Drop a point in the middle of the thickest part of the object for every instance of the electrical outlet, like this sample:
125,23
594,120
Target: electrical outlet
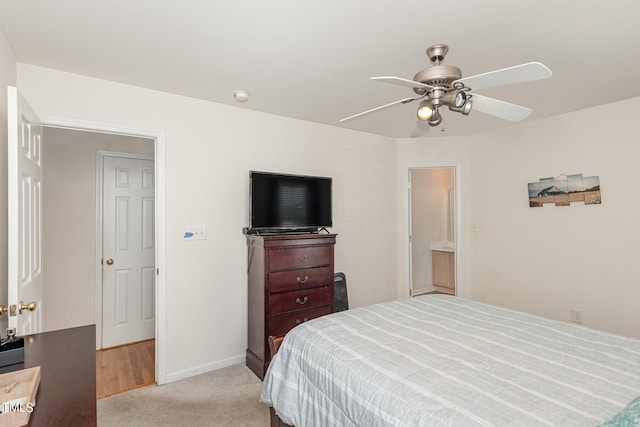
195,233
576,316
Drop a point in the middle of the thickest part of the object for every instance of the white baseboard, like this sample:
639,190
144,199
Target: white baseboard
207,367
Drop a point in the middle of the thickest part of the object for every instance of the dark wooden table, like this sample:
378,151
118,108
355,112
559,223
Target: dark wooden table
67,360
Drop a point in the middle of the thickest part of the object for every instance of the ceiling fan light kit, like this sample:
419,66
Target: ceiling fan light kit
442,85
425,111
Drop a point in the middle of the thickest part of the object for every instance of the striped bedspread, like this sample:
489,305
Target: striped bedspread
438,360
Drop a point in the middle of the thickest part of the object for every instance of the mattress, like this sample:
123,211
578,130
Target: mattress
439,360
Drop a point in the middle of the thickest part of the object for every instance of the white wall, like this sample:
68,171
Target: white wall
210,149
69,222
550,260
7,78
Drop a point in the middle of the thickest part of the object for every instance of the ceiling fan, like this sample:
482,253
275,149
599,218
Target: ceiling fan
441,86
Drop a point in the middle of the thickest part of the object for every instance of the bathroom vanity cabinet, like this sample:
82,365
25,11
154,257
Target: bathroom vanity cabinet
444,271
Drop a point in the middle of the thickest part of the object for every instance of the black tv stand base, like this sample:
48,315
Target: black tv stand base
276,231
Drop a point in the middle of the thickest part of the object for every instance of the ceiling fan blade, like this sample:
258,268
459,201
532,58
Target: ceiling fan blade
382,107
506,76
420,128
401,82
502,109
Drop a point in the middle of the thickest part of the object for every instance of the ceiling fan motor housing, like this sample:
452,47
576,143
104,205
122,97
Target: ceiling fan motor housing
437,76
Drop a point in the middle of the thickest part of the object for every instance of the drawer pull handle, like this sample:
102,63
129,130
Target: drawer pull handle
298,321
302,281
303,258
301,302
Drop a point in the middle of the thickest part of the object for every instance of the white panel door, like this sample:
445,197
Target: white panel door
24,216
128,300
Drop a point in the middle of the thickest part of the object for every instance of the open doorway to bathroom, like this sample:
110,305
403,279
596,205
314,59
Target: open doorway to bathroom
432,230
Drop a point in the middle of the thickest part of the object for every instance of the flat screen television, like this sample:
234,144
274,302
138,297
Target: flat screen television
282,203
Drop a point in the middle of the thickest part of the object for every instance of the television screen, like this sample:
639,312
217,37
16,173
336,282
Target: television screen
289,202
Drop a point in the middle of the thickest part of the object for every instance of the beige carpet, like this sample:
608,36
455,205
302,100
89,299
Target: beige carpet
226,397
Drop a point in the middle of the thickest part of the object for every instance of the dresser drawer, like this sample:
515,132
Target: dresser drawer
311,256
282,281
282,323
300,300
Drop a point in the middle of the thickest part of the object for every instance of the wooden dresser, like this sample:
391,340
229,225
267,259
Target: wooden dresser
290,282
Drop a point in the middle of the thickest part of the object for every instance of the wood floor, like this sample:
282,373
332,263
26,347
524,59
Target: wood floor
125,368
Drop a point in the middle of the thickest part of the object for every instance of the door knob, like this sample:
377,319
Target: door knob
31,306
3,310
110,261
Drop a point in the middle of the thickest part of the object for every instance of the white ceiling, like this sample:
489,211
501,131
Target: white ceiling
311,60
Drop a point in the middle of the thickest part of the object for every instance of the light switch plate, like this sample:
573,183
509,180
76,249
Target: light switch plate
198,232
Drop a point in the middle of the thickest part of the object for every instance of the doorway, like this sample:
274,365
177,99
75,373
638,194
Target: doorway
72,223
76,230
432,219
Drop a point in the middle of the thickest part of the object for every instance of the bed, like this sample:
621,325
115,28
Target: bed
440,360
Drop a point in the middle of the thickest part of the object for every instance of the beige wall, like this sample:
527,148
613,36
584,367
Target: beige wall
7,78
552,259
69,223
546,261
429,152
210,149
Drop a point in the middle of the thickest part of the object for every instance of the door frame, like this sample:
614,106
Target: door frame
159,160
406,244
99,276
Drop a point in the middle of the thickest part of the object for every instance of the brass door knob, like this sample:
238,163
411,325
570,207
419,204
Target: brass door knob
109,261
3,310
31,306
